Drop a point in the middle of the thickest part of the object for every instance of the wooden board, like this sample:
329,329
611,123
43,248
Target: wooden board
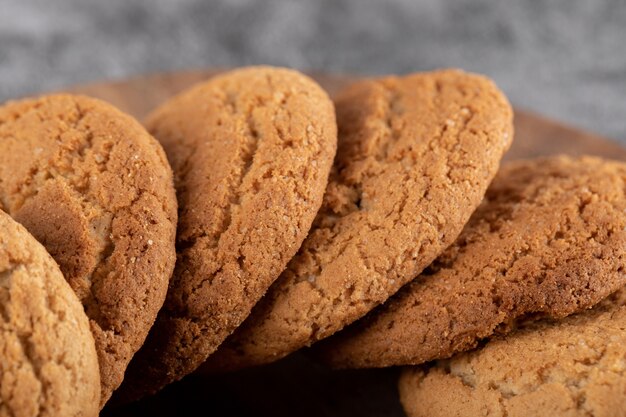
297,386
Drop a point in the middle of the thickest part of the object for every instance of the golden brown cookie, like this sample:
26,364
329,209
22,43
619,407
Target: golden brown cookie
96,190
48,360
549,240
575,367
415,157
251,150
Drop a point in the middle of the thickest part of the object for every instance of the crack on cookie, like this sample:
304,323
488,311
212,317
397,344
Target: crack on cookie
246,158
28,349
24,336
81,193
393,113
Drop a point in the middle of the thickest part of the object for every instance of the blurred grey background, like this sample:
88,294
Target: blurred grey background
563,58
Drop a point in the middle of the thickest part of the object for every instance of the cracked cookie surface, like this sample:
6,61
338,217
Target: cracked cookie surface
96,190
415,156
549,240
48,360
251,151
571,367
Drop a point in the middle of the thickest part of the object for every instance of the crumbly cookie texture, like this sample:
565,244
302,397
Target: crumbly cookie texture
96,190
573,367
549,240
48,360
251,151
414,159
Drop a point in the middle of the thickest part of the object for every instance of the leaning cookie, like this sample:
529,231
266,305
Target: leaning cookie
549,240
251,150
415,157
97,191
48,360
572,367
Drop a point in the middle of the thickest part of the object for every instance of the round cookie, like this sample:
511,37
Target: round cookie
414,159
549,240
572,367
251,150
48,361
96,190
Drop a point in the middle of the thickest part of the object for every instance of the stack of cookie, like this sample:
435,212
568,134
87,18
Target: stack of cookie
377,224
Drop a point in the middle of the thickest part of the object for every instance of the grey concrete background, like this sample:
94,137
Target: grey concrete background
563,58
